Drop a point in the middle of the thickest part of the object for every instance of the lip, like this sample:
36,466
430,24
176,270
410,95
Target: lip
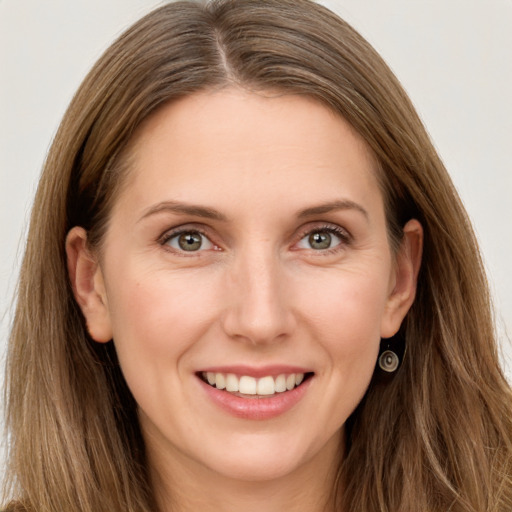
257,372
263,408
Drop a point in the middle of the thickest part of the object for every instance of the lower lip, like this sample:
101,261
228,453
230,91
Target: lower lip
256,408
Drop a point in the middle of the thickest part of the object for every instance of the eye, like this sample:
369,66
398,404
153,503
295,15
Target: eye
189,241
323,239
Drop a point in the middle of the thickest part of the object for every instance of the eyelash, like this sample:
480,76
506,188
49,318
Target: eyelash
337,231
164,239
342,234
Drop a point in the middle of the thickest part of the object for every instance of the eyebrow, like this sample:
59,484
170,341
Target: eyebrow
332,206
183,208
210,213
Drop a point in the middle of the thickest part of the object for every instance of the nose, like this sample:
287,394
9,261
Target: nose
259,306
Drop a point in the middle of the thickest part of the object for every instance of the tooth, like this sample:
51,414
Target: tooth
247,385
290,381
231,382
266,386
220,381
280,384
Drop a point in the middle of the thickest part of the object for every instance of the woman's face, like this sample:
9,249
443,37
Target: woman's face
247,248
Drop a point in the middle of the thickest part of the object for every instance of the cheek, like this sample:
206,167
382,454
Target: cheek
345,305
344,316
163,303
156,318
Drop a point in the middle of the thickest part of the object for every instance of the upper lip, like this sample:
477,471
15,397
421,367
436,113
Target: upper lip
257,371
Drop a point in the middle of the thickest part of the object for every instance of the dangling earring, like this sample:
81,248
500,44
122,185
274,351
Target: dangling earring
391,353
389,361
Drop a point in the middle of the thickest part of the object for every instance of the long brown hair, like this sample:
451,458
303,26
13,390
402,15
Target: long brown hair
436,437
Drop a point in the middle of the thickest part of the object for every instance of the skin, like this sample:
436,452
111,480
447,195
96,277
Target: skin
256,293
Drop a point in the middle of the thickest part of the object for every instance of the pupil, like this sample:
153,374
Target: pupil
320,240
190,241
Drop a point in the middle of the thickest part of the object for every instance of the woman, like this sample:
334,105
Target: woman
249,282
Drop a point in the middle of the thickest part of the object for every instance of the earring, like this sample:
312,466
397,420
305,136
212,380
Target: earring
389,361
391,353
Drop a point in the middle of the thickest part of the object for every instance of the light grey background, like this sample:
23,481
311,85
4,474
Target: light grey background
453,57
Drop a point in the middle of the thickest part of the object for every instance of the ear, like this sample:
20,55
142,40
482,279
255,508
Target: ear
88,285
404,279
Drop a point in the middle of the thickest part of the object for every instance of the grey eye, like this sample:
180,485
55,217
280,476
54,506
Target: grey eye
189,241
320,240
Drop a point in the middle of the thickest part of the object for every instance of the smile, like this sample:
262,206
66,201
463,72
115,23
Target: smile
251,386
255,393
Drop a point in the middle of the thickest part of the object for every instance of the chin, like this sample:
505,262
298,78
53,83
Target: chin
260,469
260,459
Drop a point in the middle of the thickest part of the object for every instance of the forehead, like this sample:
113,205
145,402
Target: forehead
241,144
